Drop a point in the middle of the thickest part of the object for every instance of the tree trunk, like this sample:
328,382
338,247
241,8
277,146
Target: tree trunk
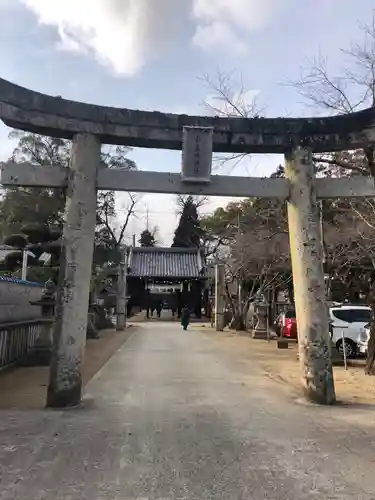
370,361
290,289
238,322
233,306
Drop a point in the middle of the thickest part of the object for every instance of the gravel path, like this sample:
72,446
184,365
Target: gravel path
173,415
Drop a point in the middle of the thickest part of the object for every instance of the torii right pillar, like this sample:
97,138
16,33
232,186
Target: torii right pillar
308,278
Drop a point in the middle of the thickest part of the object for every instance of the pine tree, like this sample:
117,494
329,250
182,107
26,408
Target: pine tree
147,239
189,232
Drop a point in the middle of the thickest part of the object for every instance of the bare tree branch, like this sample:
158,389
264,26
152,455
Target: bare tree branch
230,98
130,212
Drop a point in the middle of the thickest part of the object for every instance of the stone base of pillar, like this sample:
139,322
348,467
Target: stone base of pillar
69,398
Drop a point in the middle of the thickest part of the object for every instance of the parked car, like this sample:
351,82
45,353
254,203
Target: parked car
286,324
350,321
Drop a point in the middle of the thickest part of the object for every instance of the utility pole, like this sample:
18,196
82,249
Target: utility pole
126,284
147,219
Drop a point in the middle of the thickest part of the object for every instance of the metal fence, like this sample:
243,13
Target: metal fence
17,339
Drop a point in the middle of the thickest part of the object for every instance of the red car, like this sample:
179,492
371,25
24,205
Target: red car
286,324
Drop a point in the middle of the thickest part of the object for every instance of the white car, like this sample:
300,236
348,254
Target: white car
349,321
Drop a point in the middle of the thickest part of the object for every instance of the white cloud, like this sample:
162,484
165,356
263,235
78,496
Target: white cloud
125,34
227,22
218,34
121,33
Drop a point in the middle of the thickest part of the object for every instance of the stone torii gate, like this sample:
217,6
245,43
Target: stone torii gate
89,126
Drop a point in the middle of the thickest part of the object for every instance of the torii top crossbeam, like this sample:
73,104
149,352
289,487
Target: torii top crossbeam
31,111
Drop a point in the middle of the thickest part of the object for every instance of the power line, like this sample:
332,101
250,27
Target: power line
147,212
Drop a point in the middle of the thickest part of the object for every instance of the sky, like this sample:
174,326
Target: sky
157,54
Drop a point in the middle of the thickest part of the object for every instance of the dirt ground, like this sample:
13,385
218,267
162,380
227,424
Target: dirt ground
25,388
353,387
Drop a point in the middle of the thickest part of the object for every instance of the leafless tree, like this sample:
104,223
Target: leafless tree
113,231
251,238
230,98
260,257
181,199
352,90
112,234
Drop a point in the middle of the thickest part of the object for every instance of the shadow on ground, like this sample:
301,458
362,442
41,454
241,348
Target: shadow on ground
24,388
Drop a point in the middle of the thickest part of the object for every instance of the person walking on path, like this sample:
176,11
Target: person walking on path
185,317
159,307
173,311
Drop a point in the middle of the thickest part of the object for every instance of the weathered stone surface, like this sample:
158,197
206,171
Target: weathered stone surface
75,273
143,181
308,279
34,112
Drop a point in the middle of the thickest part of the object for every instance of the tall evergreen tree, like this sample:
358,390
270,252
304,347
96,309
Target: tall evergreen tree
189,232
147,239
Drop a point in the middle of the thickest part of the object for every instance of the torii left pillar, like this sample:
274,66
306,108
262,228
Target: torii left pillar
69,339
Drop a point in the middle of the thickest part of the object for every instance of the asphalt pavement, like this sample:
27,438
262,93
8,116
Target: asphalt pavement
173,415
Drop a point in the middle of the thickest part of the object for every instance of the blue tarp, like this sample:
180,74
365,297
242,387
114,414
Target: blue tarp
9,279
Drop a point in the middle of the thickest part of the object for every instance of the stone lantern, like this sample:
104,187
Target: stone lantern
40,355
261,330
